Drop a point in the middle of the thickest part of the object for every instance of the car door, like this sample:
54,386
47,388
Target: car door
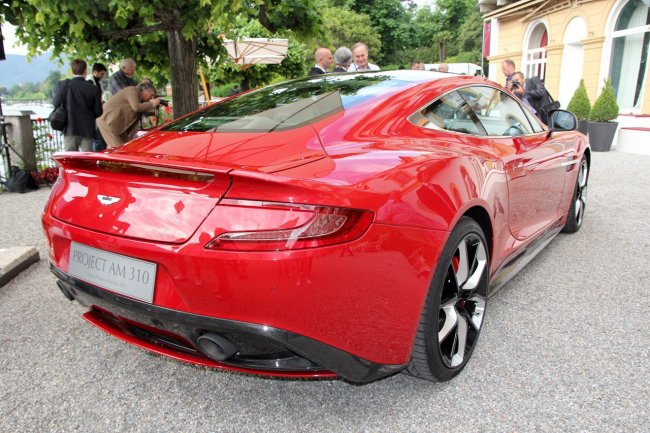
535,167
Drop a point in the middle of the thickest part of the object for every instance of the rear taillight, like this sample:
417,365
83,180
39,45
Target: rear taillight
324,225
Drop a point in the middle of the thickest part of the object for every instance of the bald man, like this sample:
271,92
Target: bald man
323,61
508,68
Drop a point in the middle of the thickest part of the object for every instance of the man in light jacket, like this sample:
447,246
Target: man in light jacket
122,112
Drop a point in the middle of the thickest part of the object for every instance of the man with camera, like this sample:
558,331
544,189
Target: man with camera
122,112
532,92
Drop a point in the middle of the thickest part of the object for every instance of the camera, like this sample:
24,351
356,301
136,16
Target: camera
515,85
164,102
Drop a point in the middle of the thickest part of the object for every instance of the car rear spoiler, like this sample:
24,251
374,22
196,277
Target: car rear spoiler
66,159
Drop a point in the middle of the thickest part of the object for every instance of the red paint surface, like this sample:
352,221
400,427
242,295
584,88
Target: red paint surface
364,296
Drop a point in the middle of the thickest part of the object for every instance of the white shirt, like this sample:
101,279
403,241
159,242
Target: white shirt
371,67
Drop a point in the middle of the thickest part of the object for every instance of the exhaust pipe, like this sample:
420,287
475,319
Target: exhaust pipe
216,347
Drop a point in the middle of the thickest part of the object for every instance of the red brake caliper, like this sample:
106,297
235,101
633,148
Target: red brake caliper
455,262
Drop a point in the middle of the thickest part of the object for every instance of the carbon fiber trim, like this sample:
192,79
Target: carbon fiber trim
298,353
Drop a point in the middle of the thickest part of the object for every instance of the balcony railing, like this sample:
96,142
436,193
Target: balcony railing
48,141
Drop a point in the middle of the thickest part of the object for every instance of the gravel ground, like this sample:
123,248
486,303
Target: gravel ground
565,347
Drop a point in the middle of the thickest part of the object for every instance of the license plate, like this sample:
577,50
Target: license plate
125,275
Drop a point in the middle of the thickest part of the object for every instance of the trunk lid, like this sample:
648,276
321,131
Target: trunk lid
133,198
160,187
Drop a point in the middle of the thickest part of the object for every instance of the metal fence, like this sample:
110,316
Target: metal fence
48,141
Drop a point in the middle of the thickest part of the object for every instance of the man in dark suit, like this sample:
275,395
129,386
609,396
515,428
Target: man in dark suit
122,78
343,59
508,69
83,105
99,72
531,91
323,61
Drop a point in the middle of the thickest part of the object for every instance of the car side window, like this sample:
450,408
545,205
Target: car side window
534,122
449,112
498,112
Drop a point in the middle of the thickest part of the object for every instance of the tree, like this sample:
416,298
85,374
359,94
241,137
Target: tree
391,22
579,103
47,86
453,27
160,35
605,107
345,27
470,32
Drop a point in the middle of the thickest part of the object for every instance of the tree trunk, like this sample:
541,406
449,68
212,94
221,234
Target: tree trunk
182,56
245,82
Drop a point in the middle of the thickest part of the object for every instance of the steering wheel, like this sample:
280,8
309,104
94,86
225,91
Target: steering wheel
515,129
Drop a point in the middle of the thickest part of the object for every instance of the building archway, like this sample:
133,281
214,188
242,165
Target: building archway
573,56
625,53
535,44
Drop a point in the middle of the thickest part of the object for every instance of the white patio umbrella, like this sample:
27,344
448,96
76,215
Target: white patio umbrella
248,52
255,51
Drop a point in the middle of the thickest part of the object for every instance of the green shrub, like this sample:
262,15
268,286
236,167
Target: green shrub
395,67
465,57
223,90
579,104
605,108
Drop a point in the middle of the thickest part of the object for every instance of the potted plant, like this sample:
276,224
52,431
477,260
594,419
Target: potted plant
602,128
581,107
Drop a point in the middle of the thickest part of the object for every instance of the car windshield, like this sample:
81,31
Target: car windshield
288,105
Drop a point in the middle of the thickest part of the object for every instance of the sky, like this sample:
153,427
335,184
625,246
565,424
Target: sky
9,41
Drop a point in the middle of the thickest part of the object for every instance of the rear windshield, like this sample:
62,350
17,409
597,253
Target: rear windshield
289,105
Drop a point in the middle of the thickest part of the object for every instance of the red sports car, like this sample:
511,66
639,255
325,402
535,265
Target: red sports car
348,225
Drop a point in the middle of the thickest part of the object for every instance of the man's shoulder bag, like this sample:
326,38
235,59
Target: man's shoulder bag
59,116
548,103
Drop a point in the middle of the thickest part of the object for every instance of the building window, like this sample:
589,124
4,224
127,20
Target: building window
630,41
535,53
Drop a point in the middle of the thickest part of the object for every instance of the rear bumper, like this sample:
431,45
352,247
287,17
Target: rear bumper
264,350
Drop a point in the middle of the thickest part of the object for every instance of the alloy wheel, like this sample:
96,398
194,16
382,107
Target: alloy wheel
462,301
581,193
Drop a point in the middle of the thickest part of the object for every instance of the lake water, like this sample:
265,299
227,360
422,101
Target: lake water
39,110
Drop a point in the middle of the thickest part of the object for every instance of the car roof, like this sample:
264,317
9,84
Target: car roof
408,75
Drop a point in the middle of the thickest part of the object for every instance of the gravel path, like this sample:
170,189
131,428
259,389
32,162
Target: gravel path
565,348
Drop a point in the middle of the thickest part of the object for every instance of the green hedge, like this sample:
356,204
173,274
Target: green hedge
605,108
579,104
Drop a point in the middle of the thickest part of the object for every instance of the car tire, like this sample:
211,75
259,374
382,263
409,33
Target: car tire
454,308
579,199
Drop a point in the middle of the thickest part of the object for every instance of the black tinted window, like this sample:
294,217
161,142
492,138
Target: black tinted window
289,105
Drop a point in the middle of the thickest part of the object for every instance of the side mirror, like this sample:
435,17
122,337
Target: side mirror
562,120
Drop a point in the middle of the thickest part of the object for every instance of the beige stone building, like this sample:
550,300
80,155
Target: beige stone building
562,41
